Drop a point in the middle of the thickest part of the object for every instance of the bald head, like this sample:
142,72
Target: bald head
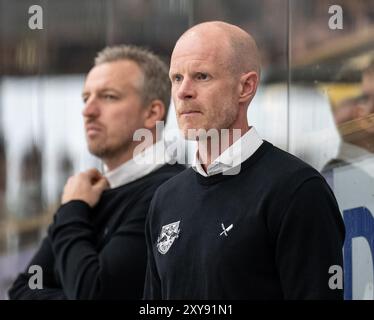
214,71
235,48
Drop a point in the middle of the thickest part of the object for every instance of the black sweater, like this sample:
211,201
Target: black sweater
100,252
286,233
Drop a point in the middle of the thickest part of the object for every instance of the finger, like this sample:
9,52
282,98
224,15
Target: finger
69,182
93,172
94,175
101,184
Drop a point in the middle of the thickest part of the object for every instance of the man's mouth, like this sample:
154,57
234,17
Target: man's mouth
92,129
190,112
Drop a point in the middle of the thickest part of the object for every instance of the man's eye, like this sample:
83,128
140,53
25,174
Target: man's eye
110,97
202,76
177,78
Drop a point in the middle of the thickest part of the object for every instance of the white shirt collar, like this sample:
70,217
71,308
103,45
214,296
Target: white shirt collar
233,156
152,158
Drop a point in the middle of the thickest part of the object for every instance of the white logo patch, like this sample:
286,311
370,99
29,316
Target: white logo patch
168,234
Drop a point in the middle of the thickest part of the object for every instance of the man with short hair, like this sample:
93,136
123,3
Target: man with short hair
354,119
248,220
95,247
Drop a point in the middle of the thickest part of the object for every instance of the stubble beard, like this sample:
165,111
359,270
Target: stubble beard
222,120
106,152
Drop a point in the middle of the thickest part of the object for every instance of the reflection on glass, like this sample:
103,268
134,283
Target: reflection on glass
354,115
336,64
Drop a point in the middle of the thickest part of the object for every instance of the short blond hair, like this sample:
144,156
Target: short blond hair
156,84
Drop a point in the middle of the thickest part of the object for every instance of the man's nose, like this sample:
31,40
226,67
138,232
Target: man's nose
91,108
186,90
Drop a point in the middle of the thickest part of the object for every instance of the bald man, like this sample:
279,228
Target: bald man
248,220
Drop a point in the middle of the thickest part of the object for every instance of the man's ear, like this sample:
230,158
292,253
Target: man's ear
248,86
154,112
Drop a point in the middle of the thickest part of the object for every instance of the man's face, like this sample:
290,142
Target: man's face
204,91
113,107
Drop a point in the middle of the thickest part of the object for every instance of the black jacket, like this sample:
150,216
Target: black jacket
270,232
96,253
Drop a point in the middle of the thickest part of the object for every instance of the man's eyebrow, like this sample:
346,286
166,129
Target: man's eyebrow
103,90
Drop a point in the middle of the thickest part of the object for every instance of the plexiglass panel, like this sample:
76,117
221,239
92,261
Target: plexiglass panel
316,100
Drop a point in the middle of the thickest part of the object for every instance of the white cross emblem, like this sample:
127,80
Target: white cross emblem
225,230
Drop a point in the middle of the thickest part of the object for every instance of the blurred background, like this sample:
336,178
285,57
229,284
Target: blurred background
316,101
